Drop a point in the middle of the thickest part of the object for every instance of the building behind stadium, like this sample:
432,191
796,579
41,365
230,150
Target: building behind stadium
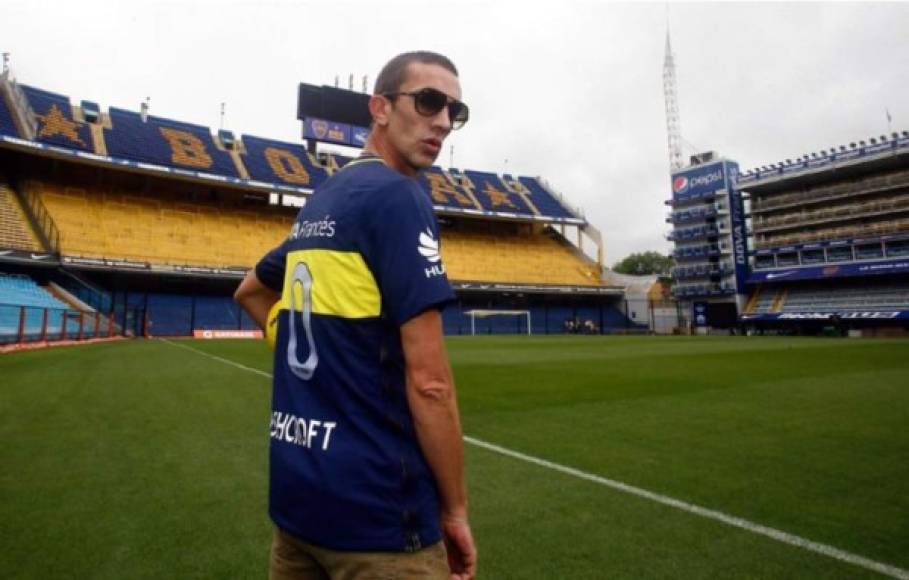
818,244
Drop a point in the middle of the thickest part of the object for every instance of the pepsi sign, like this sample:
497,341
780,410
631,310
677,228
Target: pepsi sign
698,181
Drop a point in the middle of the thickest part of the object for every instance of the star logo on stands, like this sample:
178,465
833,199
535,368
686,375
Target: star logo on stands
429,247
56,123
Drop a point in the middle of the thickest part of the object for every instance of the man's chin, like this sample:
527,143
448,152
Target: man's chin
420,162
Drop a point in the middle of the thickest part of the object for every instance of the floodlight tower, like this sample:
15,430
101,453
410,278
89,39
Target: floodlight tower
670,94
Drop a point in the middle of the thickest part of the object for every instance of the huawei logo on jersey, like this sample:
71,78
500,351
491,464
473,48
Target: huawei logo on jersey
428,247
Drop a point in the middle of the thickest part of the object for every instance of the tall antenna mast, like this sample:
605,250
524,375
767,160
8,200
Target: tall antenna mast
670,93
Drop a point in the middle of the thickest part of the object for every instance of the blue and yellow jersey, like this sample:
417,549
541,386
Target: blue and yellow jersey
362,258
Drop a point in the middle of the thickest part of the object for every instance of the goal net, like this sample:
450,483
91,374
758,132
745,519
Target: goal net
477,313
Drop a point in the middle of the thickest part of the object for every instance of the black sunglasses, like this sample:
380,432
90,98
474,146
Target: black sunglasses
429,102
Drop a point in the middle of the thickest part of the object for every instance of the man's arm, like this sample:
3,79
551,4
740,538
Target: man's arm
431,397
255,298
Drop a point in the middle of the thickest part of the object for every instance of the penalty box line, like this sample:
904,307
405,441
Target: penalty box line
717,516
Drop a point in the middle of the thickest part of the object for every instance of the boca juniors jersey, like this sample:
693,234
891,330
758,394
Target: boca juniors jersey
346,471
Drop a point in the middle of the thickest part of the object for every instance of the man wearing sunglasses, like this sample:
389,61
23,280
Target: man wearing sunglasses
366,456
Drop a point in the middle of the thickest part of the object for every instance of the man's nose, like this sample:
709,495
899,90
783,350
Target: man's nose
442,121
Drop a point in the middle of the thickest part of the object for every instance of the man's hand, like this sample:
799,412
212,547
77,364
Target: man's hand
462,553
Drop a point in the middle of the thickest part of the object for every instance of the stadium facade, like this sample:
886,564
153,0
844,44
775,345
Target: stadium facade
830,239
826,236
710,241
151,222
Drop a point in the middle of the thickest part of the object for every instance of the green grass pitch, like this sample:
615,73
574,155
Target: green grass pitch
142,459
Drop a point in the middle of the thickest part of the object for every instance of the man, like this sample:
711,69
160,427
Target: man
366,458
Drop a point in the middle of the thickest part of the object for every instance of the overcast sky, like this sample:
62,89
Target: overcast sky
567,90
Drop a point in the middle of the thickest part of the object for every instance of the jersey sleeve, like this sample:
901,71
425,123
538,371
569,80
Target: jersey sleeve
270,269
401,246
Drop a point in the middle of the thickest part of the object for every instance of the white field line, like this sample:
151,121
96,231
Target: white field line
736,522
217,358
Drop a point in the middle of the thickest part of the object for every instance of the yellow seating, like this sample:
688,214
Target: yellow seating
160,228
523,257
165,228
14,230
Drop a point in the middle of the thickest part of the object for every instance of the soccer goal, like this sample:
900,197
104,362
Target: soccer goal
474,314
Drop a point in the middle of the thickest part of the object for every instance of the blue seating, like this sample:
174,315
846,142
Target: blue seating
20,291
166,142
23,291
7,126
548,205
56,125
278,162
494,196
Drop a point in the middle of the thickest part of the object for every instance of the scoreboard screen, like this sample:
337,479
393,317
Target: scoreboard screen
333,104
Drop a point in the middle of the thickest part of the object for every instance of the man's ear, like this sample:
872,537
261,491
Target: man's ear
379,108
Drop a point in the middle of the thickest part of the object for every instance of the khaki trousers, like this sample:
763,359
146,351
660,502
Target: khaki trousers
292,559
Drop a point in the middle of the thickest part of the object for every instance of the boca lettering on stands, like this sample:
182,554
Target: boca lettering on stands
286,166
186,148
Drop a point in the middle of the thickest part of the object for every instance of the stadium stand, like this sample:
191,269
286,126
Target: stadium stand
875,205
512,253
154,230
7,126
14,230
277,162
493,195
165,142
829,238
823,299
56,122
161,227
183,146
21,290
444,192
18,293
542,199
819,299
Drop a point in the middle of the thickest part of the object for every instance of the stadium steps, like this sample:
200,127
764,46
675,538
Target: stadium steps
97,132
85,291
589,268
15,232
529,202
17,103
64,296
238,162
752,302
519,189
779,301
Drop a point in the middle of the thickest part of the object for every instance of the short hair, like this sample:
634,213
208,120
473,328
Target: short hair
391,77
